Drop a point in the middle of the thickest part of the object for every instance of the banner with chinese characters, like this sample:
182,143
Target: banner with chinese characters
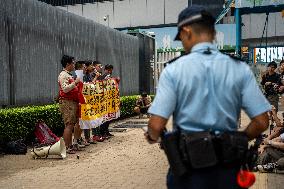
102,103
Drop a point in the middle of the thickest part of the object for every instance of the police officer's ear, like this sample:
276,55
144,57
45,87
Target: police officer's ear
188,32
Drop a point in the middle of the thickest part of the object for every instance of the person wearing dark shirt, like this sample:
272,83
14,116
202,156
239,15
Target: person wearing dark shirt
89,70
271,82
91,75
143,103
104,128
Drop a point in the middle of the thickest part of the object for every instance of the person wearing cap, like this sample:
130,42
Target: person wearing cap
205,91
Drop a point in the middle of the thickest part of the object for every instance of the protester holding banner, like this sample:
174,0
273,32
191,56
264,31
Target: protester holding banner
104,128
89,71
97,73
88,77
68,99
102,104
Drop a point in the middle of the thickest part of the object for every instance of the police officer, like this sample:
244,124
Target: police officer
205,90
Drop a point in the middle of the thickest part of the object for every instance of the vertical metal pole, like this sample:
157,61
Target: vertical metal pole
113,14
164,11
155,69
238,20
267,15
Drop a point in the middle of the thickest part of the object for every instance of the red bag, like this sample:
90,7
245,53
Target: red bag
80,95
44,134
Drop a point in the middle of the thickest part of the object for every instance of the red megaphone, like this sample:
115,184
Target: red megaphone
245,178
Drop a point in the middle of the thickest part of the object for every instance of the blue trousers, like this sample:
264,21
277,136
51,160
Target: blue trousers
217,177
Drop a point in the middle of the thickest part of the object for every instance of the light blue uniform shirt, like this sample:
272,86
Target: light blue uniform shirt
207,91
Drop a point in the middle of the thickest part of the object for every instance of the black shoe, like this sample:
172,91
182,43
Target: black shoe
109,134
83,142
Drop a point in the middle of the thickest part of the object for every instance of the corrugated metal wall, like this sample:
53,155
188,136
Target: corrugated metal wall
134,13
127,13
34,36
253,33
252,30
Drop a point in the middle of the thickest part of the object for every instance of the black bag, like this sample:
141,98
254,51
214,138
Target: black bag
16,147
200,149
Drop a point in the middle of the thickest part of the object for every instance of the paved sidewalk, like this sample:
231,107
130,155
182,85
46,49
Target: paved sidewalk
125,161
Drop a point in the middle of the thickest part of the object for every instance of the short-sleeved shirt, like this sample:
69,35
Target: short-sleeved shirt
270,89
88,77
141,102
206,91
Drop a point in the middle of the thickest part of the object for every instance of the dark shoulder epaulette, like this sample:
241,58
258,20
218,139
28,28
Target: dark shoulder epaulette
235,57
174,59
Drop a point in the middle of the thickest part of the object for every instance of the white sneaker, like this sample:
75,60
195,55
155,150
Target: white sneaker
267,167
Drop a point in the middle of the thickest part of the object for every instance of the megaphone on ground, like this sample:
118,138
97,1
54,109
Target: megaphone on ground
57,148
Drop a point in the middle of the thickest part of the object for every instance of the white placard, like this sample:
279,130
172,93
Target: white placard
79,74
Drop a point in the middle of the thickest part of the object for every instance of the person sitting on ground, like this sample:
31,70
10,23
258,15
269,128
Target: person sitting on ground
273,155
142,104
277,130
271,152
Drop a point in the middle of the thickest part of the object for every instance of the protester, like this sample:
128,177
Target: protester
68,99
91,76
271,82
272,148
97,69
281,88
88,76
97,136
143,103
272,156
104,128
208,83
79,142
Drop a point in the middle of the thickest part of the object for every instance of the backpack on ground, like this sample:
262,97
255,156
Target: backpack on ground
16,147
44,134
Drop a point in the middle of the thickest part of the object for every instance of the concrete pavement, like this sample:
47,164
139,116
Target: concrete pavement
125,161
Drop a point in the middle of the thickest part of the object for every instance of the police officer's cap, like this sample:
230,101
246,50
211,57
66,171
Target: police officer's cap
191,15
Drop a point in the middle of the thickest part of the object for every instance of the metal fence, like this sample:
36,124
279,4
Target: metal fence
34,36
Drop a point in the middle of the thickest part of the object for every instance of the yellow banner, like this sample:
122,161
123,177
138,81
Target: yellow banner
102,103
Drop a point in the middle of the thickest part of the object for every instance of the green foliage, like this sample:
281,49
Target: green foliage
16,123
127,105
